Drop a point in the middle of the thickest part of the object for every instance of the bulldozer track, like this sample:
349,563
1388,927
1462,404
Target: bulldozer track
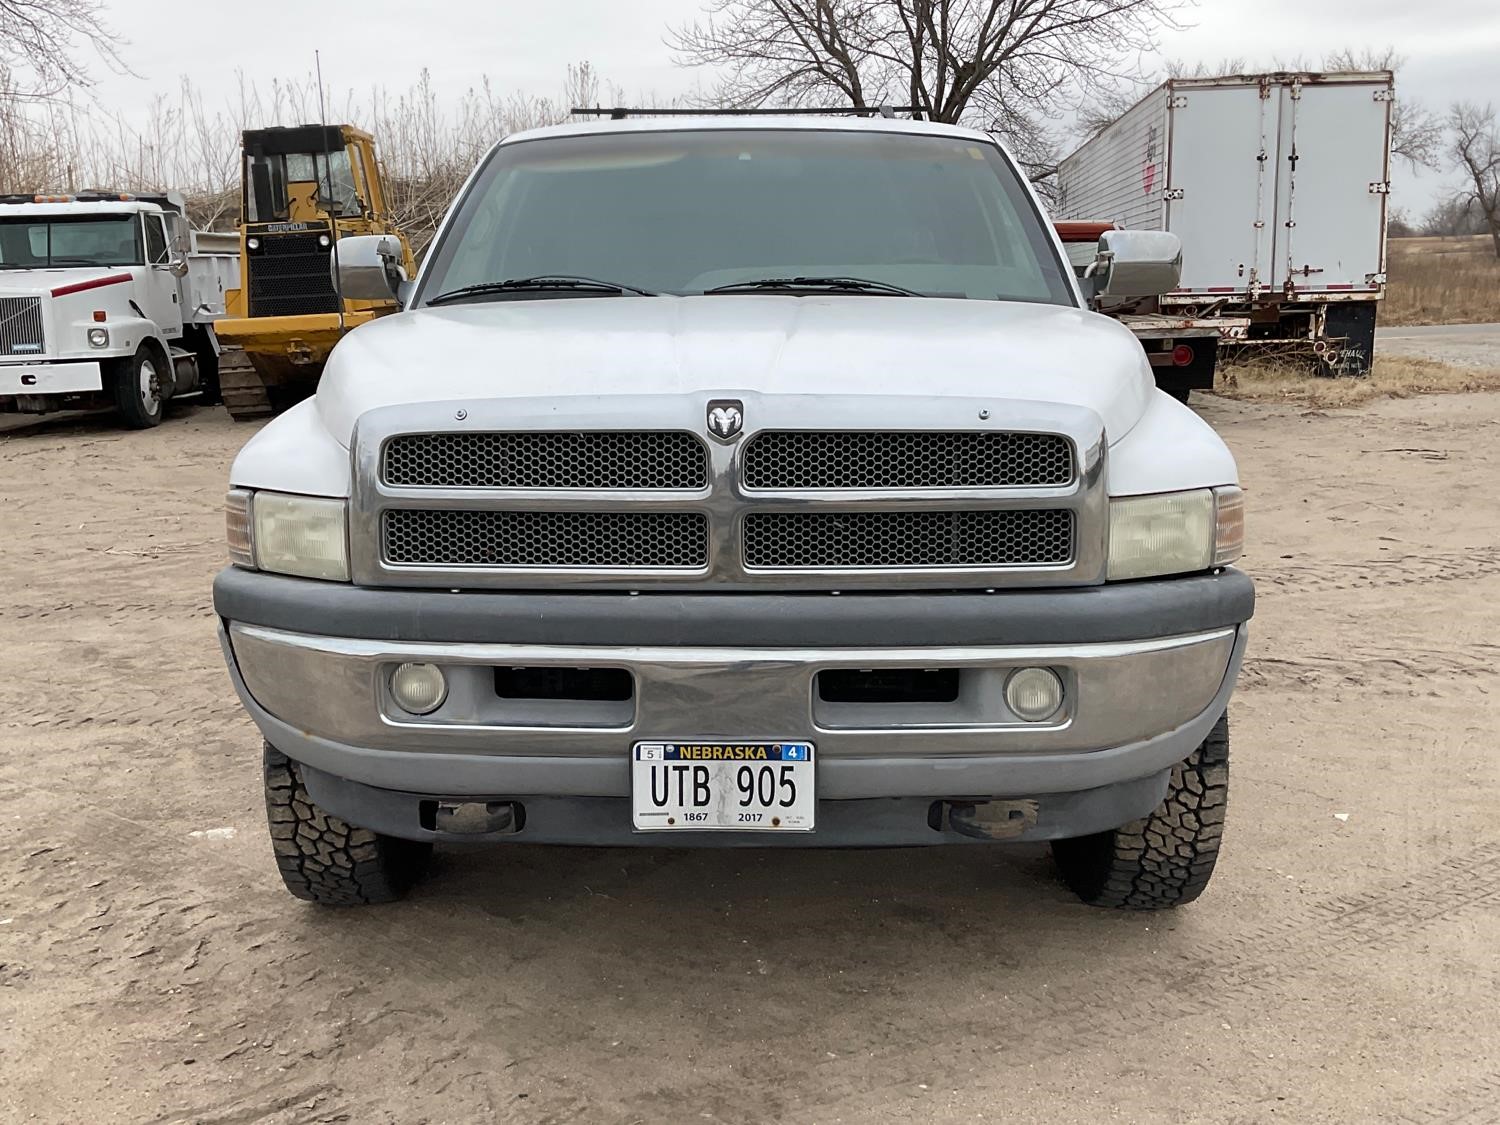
245,395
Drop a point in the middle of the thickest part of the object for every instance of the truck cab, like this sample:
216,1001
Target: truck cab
734,482
106,299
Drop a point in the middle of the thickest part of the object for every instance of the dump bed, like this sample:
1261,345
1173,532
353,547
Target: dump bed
1276,183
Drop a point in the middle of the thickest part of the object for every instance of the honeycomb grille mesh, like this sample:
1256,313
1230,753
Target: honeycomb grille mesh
558,540
795,459
551,460
834,540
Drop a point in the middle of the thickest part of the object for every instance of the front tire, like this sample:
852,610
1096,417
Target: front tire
327,860
140,389
1168,858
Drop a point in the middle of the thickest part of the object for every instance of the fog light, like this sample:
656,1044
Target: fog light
1034,694
419,688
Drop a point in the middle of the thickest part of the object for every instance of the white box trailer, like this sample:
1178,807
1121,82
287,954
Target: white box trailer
1277,185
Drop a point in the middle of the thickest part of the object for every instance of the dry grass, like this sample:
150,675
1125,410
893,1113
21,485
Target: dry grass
1442,281
1393,377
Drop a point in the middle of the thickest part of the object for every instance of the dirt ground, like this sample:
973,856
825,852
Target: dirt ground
1341,967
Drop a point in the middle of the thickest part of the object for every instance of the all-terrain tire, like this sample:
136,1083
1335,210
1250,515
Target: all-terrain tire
327,860
140,388
1166,859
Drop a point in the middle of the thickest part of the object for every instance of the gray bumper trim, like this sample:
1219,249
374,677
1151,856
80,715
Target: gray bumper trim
1131,611
998,775
605,821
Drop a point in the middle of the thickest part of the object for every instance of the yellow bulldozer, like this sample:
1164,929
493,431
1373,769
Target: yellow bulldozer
305,187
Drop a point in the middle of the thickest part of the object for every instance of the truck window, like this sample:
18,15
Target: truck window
85,240
156,240
269,177
684,211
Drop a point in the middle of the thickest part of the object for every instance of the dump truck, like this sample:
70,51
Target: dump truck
109,299
305,187
1278,186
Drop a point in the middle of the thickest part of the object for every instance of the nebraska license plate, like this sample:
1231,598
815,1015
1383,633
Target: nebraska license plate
714,786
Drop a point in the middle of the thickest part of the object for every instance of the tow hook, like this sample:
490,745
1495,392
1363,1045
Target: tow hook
992,820
478,818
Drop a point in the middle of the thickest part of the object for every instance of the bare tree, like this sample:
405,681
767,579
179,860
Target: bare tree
1476,151
997,64
41,42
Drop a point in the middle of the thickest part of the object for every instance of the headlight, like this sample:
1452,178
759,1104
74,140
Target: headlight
1175,532
304,536
252,244
98,337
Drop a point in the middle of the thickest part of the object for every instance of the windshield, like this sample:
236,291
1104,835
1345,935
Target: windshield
88,240
684,212
305,182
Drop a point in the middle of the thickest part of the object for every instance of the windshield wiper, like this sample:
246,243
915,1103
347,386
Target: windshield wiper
846,284
542,282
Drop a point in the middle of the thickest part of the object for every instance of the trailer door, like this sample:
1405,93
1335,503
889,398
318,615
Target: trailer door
1218,198
1331,201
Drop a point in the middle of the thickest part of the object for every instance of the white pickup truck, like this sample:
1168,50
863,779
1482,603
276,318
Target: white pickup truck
741,482
108,300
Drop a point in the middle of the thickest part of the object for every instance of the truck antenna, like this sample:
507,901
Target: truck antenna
333,219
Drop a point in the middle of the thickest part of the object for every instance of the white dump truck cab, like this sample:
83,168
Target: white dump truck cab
738,481
107,299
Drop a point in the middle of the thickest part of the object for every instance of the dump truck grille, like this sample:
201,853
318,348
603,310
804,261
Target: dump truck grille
554,540
650,461
844,540
21,332
823,460
290,275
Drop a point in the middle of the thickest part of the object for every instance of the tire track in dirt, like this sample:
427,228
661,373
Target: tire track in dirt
1379,573
1235,967
1380,668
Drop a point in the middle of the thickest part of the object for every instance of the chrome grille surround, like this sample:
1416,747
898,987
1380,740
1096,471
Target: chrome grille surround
601,459
835,460
21,331
724,503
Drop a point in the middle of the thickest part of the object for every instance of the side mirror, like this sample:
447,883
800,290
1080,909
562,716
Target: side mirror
178,267
1137,263
367,267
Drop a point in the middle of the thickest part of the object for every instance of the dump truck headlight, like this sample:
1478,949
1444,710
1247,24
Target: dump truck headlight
305,536
1175,532
98,337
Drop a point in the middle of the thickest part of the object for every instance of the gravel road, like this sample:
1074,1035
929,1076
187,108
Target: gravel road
1463,345
1341,968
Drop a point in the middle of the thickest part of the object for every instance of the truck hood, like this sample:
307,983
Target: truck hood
772,344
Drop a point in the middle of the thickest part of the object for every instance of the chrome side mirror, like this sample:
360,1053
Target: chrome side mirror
178,267
1137,263
367,267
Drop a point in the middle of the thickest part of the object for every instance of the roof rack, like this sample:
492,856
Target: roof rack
620,113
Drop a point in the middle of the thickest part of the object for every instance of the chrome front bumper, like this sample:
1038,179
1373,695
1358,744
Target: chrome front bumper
1134,708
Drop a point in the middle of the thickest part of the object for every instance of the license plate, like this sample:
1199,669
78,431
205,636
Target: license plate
718,786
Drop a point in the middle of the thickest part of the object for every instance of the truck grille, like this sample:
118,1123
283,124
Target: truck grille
561,460
21,331
823,460
557,540
837,540
290,275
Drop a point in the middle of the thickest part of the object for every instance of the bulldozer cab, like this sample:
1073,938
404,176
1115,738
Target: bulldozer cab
310,173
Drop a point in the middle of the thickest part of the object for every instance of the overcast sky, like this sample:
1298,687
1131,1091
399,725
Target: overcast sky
1452,46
